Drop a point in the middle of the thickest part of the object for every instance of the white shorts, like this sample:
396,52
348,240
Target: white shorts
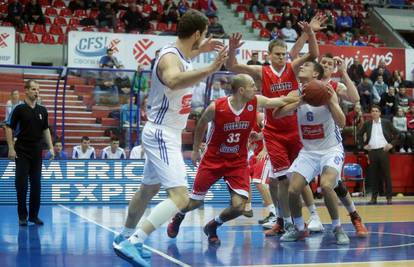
311,163
164,163
262,172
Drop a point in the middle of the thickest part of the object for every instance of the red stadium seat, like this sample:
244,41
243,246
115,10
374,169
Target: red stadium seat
162,27
51,11
48,39
80,13
257,25
277,18
119,29
147,9
39,29
55,30
61,39
31,38
93,14
248,16
104,29
173,27
297,4
65,12
264,33
71,28
3,8
59,3
241,8
295,11
44,2
60,21
48,20
74,22
264,17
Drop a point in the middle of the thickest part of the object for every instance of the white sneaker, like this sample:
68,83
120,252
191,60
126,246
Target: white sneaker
409,150
315,224
402,150
270,223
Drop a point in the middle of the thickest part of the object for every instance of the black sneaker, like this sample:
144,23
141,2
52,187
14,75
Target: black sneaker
22,222
36,221
269,217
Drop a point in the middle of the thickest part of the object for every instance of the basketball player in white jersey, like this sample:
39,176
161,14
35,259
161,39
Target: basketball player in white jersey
169,104
322,154
84,150
113,151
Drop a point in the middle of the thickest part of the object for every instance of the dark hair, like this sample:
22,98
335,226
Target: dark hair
84,138
318,68
57,141
191,22
375,106
328,55
109,50
114,138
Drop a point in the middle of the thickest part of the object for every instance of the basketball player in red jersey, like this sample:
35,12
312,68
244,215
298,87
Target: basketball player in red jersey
281,135
232,120
346,91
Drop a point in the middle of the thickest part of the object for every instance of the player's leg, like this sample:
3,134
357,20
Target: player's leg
267,202
343,194
248,211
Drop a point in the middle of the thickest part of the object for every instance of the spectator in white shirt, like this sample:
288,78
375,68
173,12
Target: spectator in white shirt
84,150
12,102
113,151
400,123
137,152
216,91
288,33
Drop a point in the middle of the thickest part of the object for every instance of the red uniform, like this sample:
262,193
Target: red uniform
281,135
334,85
259,169
226,152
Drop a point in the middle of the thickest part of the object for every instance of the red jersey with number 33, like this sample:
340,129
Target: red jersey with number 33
276,85
229,133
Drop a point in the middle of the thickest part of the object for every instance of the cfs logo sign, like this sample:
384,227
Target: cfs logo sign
95,46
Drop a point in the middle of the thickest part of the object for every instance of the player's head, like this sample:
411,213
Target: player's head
328,64
31,89
244,85
57,146
310,70
109,52
193,25
85,142
114,143
375,112
277,52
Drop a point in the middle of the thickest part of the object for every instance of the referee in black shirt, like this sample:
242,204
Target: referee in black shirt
29,121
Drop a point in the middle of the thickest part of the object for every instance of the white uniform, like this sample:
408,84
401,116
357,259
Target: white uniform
322,142
167,116
107,153
136,153
77,153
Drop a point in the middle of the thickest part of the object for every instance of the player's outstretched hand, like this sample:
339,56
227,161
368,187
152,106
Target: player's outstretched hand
318,21
305,27
235,41
195,157
220,59
211,45
340,63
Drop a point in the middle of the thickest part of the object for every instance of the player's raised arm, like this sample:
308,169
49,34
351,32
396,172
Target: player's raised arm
206,117
337,113
232,65
208,45
313,47
278,102
289,108
172,74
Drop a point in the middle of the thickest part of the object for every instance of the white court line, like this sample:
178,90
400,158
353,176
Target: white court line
369,263
162,254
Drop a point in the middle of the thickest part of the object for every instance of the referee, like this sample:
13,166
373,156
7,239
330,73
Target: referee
29,122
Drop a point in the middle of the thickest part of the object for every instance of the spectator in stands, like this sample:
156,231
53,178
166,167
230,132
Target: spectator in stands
410,123
254,60
12,102
123,83
15,14
342,41
388,103
106,16
90,4
84,150
215,28
354,121
267,60
33,13
304,15
257,6
381,70
403,100
343,22
171,14
76,5
359,41
129,113
356,71
217,91
288,33
274,34
287,16
59,153
118,5
106,92
365,89
109,61
183,6
198,100
133,20
225,85
330,21
157,53
400,123
397,79
357,21
310,9
379,89
208,7
113,151
137,152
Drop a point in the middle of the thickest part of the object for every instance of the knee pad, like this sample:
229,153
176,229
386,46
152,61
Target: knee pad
341,190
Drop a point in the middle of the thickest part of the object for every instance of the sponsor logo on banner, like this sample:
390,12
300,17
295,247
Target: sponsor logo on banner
92,46
140,49
3,42
113,45
7,45
370,57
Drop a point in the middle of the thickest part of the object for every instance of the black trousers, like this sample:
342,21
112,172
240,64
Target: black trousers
28,169
380,172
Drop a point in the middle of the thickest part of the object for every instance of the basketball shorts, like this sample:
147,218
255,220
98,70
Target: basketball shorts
164,163
260,170
236,178
310,164
283,148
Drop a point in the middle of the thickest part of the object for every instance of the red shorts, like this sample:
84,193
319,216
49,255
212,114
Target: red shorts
236,178
283,148
259,170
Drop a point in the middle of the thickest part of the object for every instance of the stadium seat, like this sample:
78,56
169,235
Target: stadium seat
263,17
352,172
162,27
241,9
147,9
173,27
297,4
61,39
74,22
264,33
3,8
51,11
104,29
48,20
31,38
44,2
71,28
48,39
65,12
39,29
120,14
80,13
93,14
60,21
59,3
55,30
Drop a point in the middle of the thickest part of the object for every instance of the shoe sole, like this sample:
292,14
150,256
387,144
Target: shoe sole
128,259
115,247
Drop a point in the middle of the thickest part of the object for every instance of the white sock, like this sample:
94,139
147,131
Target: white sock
218,219
248,206
271,209
299,223
163,212
127,232
336,223
287,220
138,237
351,208
312,209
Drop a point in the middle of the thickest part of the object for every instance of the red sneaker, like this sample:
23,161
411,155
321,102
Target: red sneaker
174,226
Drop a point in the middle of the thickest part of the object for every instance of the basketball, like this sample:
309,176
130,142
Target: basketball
316,93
